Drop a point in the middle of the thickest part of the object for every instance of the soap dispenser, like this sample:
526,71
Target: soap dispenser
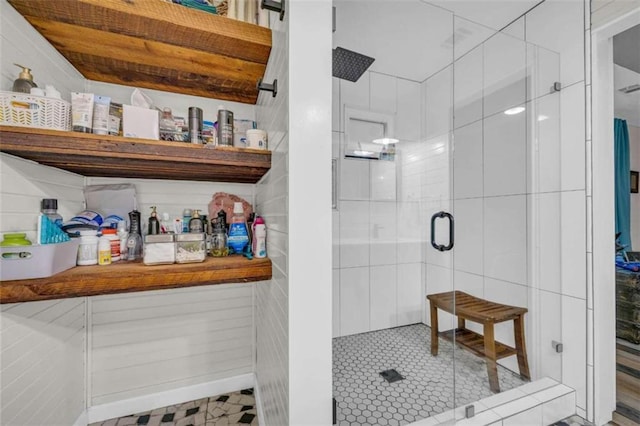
154,223
24,82
195,224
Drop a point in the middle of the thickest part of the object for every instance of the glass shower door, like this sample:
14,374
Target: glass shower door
504,206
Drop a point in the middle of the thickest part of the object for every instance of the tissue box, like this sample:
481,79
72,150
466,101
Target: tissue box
140,123
37,261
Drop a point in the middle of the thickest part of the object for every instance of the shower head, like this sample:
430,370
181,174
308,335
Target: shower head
350,65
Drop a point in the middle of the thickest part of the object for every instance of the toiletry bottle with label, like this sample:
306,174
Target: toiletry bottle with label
186,218
195,224
49,208
238,234
24,82
259,239
154,223
104,251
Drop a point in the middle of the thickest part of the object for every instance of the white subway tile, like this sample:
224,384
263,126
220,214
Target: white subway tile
383,233
409,294
354,300
505,238
504,74
354,233
383,313
504,154
469,235
468,161
467,90
383,93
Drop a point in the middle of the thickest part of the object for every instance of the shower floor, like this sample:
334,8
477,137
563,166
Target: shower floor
364,398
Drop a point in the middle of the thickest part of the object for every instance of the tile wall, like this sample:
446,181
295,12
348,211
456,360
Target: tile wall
376,226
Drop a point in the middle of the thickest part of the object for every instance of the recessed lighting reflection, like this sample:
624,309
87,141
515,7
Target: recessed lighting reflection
514,111
363,153
385,141
542,117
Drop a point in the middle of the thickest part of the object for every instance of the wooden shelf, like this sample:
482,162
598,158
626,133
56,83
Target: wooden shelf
126,277
113,156
155,45
475,342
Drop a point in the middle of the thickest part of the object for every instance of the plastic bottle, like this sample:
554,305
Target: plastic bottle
24,82
186,218
123,235
88,248
238,234
195,224
259,244
49,208
104,251
154,223
165,224
114,241
134,240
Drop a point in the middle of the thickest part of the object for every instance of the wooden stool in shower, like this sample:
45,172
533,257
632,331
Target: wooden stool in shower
467,307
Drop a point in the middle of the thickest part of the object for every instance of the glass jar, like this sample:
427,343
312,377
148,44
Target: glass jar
190,248
16,239
159,249
88,248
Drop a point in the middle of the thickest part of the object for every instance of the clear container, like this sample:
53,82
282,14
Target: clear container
88,248
190,248
159,249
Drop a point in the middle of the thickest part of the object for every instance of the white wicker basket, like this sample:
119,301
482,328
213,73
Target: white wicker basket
22,109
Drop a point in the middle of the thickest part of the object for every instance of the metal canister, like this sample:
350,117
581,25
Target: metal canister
225,127
195,125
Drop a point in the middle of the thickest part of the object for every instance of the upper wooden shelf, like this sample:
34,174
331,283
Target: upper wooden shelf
155,44
114,156
126,277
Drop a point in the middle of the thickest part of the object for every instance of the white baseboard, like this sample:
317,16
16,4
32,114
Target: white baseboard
82,420
162,399
259,409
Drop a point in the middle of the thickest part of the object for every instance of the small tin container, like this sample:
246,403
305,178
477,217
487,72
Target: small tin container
159,249
190,248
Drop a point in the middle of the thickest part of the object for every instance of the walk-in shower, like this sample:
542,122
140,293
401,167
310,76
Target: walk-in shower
476,113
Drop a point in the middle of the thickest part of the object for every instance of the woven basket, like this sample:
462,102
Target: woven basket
21,109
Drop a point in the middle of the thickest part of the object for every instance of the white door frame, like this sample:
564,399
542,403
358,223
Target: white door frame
602,229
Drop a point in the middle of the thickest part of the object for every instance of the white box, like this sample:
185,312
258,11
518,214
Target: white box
37,261
140,123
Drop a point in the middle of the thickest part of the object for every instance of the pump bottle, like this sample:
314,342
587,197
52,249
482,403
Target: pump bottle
24,83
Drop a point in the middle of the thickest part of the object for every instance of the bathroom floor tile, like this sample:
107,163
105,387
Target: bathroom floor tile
235,408
364,397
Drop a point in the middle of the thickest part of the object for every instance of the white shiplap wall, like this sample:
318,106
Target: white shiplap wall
42,376
41,343
151,342
138,344
272,321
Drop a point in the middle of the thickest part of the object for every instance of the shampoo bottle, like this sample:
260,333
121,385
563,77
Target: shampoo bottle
238,234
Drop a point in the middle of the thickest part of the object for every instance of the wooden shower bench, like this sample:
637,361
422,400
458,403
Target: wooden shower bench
467,307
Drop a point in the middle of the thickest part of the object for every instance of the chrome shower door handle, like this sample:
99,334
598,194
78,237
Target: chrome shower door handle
435,245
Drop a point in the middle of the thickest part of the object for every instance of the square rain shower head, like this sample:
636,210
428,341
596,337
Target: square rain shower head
349,65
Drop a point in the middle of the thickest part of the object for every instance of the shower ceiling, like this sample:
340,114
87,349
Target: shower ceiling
425,28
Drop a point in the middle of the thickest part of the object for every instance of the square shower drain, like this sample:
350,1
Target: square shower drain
391,375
